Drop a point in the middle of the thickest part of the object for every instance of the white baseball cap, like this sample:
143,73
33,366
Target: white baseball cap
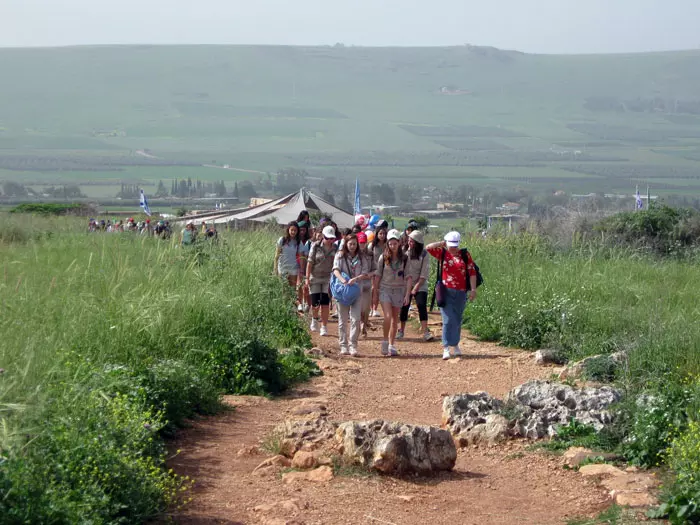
329,232
452,239
393,234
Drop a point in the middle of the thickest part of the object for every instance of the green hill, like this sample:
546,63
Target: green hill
473,114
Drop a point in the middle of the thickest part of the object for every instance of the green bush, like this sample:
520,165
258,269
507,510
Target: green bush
681,501
95,461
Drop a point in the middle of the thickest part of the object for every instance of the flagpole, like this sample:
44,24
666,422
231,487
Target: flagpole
648,199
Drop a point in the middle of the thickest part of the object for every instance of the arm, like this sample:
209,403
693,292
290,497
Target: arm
471,275
424,274
278,252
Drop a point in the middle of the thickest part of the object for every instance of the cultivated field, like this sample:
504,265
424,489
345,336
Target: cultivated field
476,115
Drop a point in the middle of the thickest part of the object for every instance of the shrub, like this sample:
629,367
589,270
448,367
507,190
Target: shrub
682,499
98,460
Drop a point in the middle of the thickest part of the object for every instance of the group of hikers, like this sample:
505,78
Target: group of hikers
370,265
160,229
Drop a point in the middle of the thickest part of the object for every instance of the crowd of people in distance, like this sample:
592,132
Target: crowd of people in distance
161,229
369,265
190,233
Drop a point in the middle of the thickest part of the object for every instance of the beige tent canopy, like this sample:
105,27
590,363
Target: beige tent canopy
284,210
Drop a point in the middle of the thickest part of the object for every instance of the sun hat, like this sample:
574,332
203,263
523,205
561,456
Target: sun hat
362,238
393,234
417,236
329,232
452,239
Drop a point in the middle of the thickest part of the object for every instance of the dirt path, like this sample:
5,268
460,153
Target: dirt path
502,484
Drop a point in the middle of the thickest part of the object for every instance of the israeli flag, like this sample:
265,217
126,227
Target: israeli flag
144,205
357,209
640,204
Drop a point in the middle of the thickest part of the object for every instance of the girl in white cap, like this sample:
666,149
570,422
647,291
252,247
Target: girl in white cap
457,271
418,271
392,288
318,277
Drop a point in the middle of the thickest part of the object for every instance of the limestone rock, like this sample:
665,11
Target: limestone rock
494,430
463,412
274,461
296,433
574,456
395,448
544,405
287,506
601,469
547,356
319,475
304,460
631,482
635,499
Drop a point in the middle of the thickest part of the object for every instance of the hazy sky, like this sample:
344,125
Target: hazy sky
545,26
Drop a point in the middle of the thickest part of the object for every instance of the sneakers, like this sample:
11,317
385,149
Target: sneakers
364,329
324,331
428,336
385,347
344,351
399,334
314,325
446,353
375,313
456,351
300,308
393,352
353,351
306,308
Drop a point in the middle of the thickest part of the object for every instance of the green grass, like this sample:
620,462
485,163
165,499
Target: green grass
267,107
110,341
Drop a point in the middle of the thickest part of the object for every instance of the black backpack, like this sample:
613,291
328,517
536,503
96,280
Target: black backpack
463,252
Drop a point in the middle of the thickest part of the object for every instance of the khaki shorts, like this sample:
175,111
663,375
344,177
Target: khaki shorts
319,288
394,296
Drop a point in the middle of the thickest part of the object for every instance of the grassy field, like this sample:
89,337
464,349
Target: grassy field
473,114
110,342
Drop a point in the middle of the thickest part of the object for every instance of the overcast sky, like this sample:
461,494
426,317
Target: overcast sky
542,26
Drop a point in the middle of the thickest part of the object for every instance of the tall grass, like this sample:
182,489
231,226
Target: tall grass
110,340
590,300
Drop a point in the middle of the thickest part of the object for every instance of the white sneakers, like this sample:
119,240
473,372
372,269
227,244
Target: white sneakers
300,308
324,331
393,352
344,351
314,325
353,351
456,352
399,334
385,347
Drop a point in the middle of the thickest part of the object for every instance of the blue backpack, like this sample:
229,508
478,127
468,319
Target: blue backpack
344,294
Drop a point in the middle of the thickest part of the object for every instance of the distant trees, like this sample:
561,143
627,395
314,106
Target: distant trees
161,191
289,180
246,190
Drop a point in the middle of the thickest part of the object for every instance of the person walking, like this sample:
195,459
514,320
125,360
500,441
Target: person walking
418,271
286,262
391,287
376,248
304,247
366,285
459,278
318,277
350,268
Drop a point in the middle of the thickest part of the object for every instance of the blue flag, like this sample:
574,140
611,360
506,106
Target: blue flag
357,209
640,204
144,205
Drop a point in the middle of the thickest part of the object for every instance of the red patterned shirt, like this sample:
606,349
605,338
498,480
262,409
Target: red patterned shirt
453,274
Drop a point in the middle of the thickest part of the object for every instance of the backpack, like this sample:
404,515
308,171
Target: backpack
439,283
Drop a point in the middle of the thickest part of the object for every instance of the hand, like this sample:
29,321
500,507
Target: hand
472,295
415,290
443,244
407,300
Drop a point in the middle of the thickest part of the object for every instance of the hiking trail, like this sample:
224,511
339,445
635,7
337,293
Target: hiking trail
506,483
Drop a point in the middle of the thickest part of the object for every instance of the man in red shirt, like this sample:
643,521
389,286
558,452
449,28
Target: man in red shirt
455,272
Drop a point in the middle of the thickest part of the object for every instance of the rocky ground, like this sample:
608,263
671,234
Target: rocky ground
505,483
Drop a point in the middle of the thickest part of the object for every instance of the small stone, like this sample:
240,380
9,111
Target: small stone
274,461
602,469
634,499
319,475
304,460
290,506
407,499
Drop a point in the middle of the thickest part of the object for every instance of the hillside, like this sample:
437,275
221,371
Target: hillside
476,115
